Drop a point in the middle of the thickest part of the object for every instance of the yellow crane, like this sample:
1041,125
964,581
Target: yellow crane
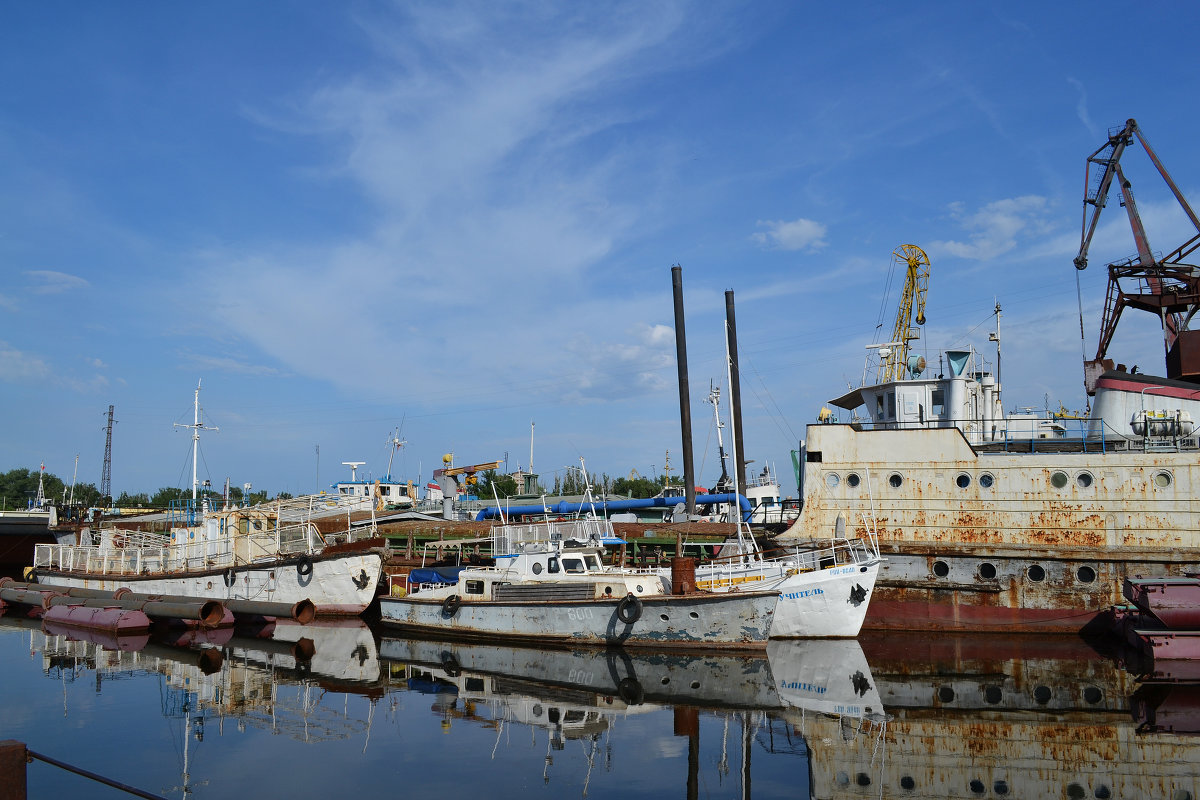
894,361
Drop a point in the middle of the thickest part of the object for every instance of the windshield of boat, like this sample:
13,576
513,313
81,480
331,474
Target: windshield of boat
573,565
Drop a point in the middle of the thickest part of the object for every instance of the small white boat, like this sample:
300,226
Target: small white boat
549,585
234,554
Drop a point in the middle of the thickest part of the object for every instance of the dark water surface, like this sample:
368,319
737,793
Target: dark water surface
341,712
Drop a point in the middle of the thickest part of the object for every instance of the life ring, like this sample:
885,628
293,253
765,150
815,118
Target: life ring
631,691
229,578
304,567
450,664
629,610
451,605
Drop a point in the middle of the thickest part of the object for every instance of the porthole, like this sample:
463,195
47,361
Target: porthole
1162,479
1000,788
1059,479
852,480
895,480
843,779
832,480
695,684
210,584
1103,792
1083,480
639,588
694,615
963,480
664,617
537,568
907,783
993,695
1042,695
987,571
977,787
1181,794
946,694
986,480
941,569
1085,574
1036,573
665,680
1076,792
1092,695
862,779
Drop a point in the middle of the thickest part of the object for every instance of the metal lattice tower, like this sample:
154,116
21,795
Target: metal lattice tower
106,473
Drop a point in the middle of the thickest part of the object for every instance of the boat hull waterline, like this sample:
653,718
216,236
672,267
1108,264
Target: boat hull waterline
339,585
694,621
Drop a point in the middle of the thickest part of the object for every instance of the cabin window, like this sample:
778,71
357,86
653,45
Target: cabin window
891,405
938,398
1083,480
963,480
1162,479
475,587
385,490
895,480
553,564
812,456
573,566
1058,480
879,406
594,562
832,480
986,480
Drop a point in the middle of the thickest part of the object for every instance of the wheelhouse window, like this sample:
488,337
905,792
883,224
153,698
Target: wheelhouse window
474,587
574,566
552,564
938,403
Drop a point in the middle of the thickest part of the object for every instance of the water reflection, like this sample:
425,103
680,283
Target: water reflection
884,716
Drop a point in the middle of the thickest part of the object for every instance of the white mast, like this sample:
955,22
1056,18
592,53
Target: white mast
73,477
531,447
196,426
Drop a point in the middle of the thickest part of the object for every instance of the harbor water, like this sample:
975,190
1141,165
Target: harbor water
345,710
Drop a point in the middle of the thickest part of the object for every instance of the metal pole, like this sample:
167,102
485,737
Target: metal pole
735,390
685,403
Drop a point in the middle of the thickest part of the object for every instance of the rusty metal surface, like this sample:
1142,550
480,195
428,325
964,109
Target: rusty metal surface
1018,553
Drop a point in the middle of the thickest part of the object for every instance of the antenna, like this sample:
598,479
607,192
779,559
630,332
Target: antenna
196,426
396,443
353,465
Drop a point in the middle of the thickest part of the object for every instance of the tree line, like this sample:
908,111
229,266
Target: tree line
18,490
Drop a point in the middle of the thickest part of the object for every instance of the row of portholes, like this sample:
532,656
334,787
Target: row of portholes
1058,479
1092,695
1036,572
1075,791
832,479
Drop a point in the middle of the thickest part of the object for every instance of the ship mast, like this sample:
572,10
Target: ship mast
196,426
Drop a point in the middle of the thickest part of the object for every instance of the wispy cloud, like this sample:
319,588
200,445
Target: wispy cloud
799,234
231,365
17,366
1081,108
997,227
44,281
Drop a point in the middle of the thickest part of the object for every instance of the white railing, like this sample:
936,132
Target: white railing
138,553
514,538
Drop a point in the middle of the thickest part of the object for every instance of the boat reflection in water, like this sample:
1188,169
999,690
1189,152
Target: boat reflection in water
801,688
1041,716
268,712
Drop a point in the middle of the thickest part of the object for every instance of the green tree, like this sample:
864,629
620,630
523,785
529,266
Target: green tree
504,485
127,500
636,487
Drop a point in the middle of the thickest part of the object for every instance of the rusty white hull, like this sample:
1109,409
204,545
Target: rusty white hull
666,621
337,584
979,538
822,603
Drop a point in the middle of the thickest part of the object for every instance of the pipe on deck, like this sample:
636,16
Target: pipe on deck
491,512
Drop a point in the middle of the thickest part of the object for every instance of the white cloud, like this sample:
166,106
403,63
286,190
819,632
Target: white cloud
18,366
996,228
232,366
799,234
45,281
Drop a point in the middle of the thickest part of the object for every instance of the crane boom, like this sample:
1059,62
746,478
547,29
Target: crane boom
1164,286
911,309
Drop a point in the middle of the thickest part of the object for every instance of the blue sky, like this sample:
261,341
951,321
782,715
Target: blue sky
461,217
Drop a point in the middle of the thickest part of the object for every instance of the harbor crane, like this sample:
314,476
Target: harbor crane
894,358
1164,286
448,480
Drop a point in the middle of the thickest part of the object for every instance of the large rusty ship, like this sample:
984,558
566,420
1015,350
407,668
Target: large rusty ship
995,522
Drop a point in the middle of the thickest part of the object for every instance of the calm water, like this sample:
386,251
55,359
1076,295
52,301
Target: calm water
341,712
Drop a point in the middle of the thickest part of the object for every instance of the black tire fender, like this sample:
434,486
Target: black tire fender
304,567
629,610
451,605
